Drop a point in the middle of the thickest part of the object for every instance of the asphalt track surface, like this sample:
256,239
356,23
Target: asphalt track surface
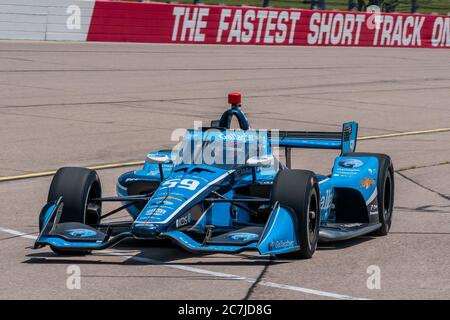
88,104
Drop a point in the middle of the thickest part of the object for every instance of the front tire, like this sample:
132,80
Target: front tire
77,187
299,190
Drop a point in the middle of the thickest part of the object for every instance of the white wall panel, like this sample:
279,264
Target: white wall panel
44,19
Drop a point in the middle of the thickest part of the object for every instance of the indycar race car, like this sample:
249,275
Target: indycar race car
226,190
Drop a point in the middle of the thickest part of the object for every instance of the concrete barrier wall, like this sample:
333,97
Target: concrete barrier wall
171,23
45,19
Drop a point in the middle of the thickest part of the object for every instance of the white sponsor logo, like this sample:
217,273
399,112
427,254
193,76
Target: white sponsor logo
279,244
156,212
351,163
244,236
234,136
326,200
214,147
373,208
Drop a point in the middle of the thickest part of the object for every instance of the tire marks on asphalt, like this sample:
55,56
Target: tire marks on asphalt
444,196
258,280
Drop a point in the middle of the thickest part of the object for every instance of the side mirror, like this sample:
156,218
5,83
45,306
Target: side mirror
158,159
263,161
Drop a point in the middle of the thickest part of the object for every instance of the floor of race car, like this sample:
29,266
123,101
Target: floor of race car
91,104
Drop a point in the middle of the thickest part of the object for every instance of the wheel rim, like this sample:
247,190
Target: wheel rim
387,198
312,218
93,192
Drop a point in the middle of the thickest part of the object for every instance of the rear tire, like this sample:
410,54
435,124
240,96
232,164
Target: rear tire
299,190
77,187
385,190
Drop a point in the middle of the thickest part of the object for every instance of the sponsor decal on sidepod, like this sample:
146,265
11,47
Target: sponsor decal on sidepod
244,236
351,163
366,183
81,233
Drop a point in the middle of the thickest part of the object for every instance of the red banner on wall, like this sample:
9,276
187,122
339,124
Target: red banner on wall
168,23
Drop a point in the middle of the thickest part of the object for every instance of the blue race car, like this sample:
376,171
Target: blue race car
225,190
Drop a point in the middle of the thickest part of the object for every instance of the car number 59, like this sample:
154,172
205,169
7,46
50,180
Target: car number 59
188,184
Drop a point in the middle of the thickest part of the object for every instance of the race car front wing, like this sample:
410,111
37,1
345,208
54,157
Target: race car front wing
276,237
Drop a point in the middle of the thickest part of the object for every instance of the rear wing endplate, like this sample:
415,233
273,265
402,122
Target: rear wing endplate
349,137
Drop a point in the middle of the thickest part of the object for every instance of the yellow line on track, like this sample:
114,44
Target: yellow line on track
137,163
401,134
50,173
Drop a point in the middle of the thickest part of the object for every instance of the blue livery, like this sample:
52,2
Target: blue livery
227,190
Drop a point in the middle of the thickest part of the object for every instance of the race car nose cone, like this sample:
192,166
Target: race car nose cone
234,98
145,231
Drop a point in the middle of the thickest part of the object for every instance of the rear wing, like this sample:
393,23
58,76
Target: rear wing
344,140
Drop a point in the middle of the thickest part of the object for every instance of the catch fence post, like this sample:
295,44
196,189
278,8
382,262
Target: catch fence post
318,5
351,5
413,6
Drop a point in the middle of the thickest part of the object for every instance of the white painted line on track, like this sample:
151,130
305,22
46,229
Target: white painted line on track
206,272
18,233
